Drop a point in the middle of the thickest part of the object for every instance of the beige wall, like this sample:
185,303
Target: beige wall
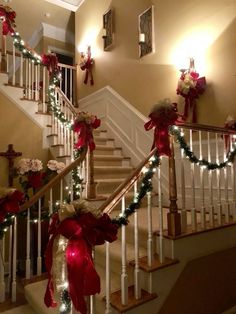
203,29
17,129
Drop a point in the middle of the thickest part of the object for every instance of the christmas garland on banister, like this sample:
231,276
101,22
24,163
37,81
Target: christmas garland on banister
174,130
146,186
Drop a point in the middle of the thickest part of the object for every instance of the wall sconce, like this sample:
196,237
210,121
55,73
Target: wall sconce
86,65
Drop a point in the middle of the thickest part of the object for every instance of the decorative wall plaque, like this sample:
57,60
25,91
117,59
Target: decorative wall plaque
146,32
108,28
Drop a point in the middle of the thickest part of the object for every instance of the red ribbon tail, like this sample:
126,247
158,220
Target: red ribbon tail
86,77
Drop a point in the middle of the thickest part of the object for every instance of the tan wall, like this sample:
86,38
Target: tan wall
17,129
202,29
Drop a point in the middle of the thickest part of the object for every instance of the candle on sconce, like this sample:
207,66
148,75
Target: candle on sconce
142,38
104,32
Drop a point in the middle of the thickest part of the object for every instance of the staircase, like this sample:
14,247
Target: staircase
144,270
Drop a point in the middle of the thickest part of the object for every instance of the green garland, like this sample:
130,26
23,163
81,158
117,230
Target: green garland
146,186
174,130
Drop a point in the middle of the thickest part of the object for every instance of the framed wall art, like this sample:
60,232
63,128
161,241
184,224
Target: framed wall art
146,32
108,29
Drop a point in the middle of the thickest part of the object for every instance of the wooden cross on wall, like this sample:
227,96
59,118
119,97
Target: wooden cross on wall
10,154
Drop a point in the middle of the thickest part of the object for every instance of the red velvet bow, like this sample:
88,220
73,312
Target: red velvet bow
51,62
83,232
161,121
87,67
9,21
10,204
85,133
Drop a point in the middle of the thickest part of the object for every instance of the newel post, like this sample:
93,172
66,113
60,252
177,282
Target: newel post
173,217
4,54
91,185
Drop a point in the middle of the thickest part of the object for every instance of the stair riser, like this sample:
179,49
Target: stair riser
117,163
112,151
104,141
110,175
107,188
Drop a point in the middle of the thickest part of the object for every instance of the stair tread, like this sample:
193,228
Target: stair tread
132,301
105,147
108,157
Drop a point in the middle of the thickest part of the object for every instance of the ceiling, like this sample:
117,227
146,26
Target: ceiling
30,14
72,5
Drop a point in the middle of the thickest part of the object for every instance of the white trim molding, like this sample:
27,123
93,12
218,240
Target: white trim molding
71,5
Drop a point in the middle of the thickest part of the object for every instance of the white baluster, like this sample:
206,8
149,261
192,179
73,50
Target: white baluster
92,301
108,279
226,179
183,194
66,83
210,184
44,90
14,65
21,69
203,208
160,210
193,209
9,259
218,180
26,78
39,257
71,85
124,275
137,273
27,261
149,240
14,257
2,271
37,83
30,80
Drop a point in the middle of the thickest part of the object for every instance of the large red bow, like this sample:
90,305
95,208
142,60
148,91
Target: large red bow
82,232
85,133
160,120
10,204
9,20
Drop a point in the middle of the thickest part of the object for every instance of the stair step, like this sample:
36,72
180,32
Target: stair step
132,301
111,172
106,186
107,150
111,160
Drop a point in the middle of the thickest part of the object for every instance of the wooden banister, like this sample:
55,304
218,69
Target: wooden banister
205,127
53,182
69,103
113,199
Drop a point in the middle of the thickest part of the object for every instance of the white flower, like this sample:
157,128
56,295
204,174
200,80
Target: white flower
60,166
52,165
36,165
23,166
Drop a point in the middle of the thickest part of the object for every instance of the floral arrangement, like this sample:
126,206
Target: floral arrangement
83,125
190,86
8,19
10,200
163,115
32,175
86,65
74,230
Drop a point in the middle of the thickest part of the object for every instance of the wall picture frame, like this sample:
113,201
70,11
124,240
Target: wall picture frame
108,30
146,32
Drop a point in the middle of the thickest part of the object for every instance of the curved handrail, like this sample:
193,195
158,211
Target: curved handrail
53,182
205,127
113,199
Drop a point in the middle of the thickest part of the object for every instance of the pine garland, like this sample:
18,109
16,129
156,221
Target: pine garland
146,186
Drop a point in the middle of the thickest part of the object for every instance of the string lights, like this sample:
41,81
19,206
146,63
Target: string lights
174,130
